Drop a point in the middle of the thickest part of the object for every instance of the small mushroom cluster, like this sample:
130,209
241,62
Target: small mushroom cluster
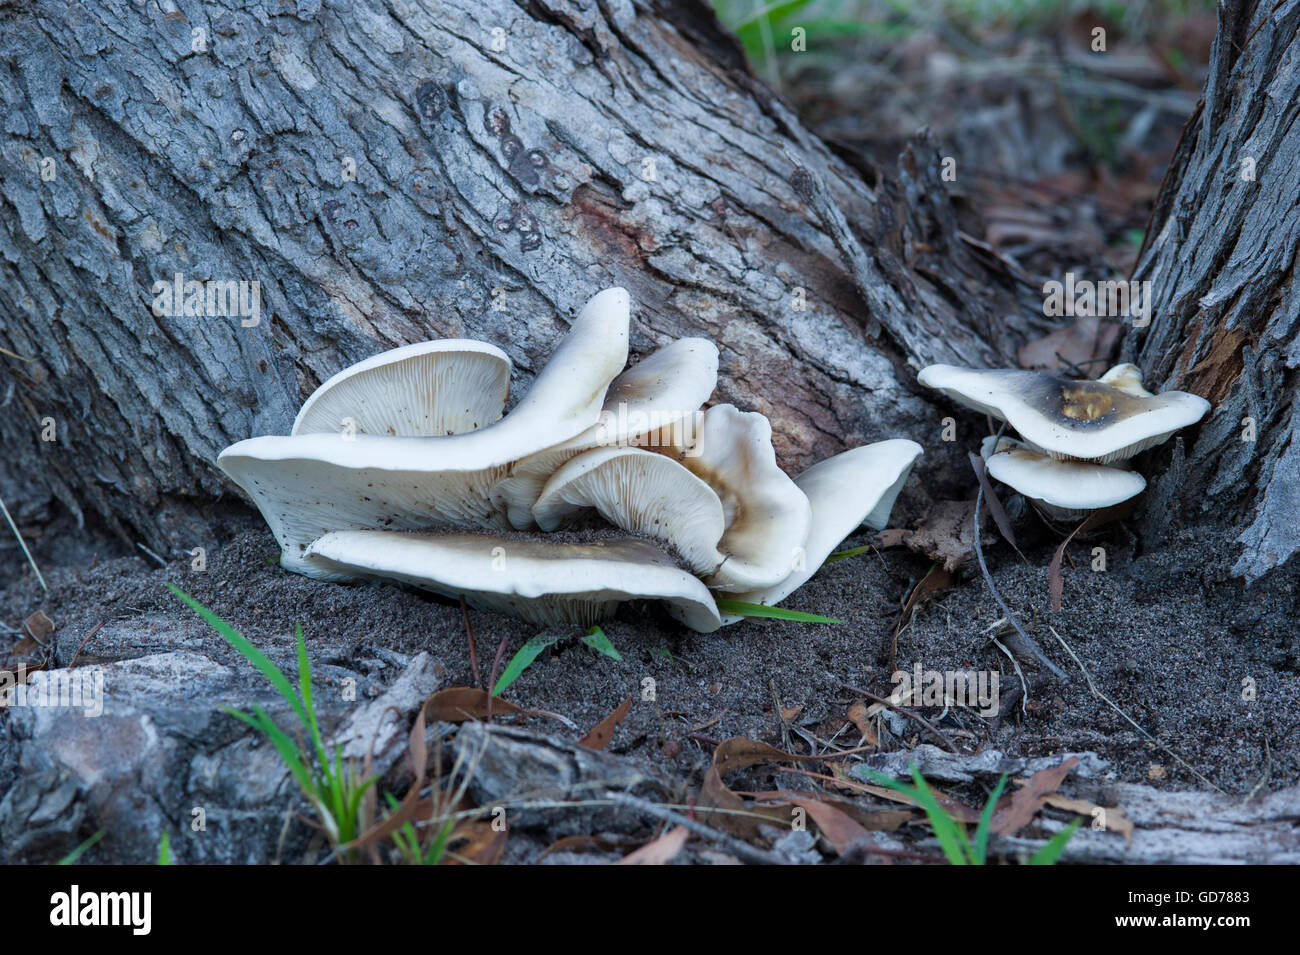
1076,436
602,485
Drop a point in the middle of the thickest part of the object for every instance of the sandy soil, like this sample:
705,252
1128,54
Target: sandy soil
1165,633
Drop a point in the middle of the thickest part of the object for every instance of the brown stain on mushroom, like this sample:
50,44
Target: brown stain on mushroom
1081,403
1085,404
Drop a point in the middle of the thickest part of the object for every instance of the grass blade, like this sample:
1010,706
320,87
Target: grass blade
249,652
78,852
521,661
742,609
1052,851
846,554
986,819
23,544
597,640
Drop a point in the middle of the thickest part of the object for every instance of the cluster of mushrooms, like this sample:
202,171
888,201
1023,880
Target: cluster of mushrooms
1076,436
602,485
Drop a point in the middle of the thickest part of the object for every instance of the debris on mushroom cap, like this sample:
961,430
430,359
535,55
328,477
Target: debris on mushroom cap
1064,490
650,402
845,491
1128,379
766,514
429,388
1070,420
306,485
534,579
638,490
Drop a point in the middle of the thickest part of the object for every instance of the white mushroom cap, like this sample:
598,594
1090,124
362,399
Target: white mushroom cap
429,388
847,490
309,484
641,491
654,400
1072,420
767,516
1065,490
539,581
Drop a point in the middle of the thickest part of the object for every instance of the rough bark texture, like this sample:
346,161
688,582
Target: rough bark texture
597,143
1221,254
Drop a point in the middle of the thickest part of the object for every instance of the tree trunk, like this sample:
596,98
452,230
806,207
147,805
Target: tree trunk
1221,256
510,160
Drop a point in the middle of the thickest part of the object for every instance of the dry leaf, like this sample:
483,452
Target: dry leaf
1024,804
460,703
39,626
1086,342
958,810
660,852
861,717
603,732
1112,817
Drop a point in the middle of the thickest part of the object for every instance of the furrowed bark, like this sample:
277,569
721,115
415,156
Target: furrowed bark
509,159
1221,256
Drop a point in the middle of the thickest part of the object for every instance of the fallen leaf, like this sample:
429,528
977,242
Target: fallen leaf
945,534
992,502
954,808
659,852
861,718
1089,340
840,822
1024,804
460,703
600,842
1055,583
38,626
603,732
1112,817
476,843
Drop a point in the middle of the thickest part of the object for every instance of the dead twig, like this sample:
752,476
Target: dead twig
23,544
1002,604
492,680
469,632
93,630
909,714
1111,703
737,847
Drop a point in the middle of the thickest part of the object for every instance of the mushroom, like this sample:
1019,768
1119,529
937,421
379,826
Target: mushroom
641,491
847,490
1096,421
307,485
536,580
765,513
429,388
653,400
1064,490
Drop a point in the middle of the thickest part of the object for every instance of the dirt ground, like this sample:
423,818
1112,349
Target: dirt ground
1164,633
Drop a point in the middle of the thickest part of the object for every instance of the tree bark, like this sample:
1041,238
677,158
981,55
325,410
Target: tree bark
511,159
1221,256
